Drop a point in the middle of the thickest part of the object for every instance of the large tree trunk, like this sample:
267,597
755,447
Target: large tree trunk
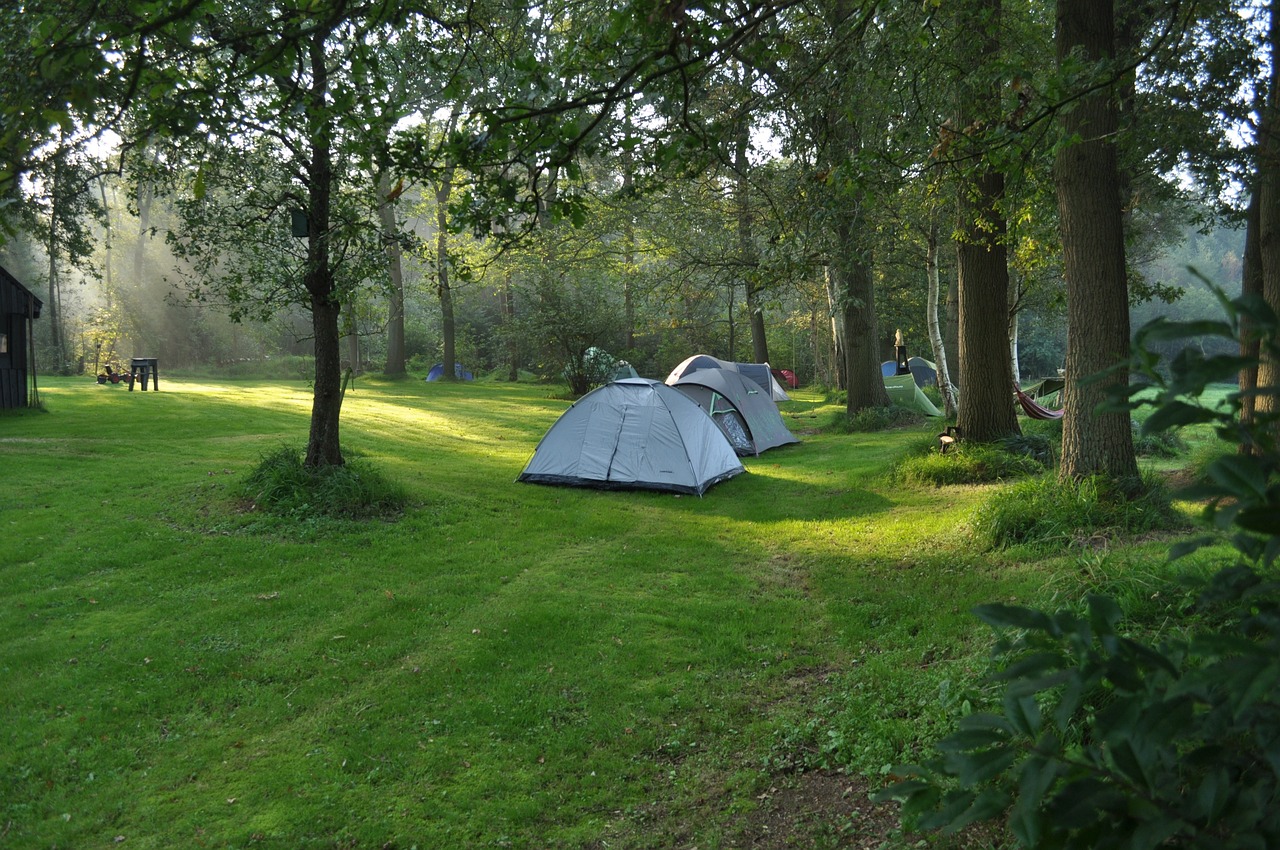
1268,402
855,289
323,445
986,412
1087,179
387,195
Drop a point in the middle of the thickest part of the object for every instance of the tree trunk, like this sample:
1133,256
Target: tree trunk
323,445
53,312
396,356
951,333
856,292
1268,401
746,247
986,412
1086,177
839,380
508,300
1250,285
628,238
935,329
448,325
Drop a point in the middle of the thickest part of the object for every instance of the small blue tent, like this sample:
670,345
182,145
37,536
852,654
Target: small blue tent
438,370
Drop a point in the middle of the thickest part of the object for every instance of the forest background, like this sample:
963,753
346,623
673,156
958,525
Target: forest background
508,188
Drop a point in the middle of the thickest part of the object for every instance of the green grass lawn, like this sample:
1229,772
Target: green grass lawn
507,665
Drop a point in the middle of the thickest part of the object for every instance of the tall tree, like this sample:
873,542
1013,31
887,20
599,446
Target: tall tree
986,409
1086,175
1268,385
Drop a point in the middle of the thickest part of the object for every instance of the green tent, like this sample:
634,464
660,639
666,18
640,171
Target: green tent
904,393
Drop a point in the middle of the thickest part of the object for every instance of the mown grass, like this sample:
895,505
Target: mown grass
503,665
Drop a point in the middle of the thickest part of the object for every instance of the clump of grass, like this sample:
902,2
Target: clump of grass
1162,444
282,485
874,419
968,463
1047,512
1029,444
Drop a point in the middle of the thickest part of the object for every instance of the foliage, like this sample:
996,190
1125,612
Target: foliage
281,484
1107,740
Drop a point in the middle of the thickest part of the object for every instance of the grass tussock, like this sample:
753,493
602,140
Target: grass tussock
968,463
281,484
1048,512
872,419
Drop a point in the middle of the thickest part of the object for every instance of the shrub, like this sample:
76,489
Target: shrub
281,484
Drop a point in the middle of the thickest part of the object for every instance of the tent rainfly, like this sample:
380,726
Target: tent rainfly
904,392
743,410
758,372
634,433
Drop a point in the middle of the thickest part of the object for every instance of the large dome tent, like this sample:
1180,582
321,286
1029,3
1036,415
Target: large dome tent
634,433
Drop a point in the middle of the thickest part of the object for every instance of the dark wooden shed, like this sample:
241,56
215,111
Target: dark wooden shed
19,309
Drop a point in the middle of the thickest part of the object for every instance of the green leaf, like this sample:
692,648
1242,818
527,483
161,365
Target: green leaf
1175,414
1239,475
1023,713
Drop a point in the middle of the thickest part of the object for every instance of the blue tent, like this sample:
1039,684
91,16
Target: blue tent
438,370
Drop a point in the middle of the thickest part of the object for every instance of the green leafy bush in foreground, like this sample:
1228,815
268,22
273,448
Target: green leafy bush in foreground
281,484
1105,740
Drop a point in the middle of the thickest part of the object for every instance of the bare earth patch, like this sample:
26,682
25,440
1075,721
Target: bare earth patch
820,809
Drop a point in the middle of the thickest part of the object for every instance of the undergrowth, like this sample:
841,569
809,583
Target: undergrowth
281,484
874,419
1045,511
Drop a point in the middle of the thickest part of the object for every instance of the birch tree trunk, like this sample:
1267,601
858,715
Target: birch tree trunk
935,327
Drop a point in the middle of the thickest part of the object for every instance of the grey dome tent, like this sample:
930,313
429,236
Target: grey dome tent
634,433
758,372
743,410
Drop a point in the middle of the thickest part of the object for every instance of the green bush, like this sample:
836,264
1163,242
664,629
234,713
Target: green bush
282,485
1048,512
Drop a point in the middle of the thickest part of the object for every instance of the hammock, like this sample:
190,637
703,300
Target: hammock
1033,409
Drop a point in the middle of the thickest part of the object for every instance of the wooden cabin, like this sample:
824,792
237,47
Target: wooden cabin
19,309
